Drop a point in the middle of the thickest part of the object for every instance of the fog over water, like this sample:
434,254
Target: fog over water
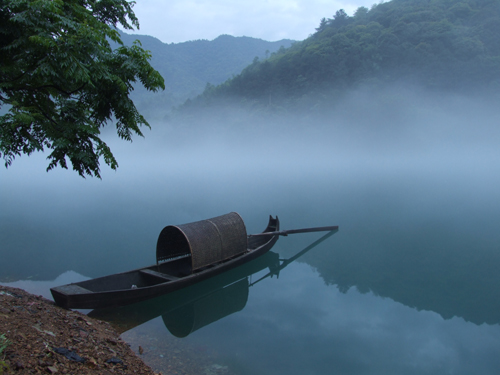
408,284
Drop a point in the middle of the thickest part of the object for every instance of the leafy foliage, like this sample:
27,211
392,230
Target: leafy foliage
445,44
61,81
4,342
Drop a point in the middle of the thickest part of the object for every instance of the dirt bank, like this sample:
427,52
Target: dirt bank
46,339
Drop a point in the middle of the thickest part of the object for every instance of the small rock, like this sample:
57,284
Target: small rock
115,361
72,356
93,361
52,369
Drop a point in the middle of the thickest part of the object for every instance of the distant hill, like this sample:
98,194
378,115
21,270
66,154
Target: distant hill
437,44
188,67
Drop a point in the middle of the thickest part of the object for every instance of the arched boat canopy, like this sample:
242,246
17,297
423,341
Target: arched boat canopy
208,241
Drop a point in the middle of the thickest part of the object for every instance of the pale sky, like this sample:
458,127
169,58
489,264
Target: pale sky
175,21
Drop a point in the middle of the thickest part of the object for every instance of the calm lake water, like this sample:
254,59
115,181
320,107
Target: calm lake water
409,284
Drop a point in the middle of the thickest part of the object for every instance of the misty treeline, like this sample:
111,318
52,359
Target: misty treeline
188,66
436,44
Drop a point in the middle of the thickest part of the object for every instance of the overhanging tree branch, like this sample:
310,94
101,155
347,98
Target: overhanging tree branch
63,89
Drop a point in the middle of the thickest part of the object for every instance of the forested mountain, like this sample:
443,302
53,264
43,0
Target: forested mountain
188,67
439,44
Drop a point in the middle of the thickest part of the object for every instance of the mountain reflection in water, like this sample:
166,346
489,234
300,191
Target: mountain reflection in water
446,268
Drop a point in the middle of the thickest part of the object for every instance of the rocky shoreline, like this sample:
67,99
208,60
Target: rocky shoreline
46,339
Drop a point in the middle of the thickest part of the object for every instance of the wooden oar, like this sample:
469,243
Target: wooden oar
293,231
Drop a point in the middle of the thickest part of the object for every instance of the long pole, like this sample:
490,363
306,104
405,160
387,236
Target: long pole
293,231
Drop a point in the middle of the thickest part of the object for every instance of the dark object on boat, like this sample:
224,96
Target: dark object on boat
186,254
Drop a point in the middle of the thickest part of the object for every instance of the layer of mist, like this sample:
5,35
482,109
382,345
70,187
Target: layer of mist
389,167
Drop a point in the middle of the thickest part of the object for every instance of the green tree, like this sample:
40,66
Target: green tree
361,13
322,25
340,18
438,44
61,82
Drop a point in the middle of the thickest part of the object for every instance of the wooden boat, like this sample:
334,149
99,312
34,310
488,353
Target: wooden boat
127,317
186,254
199,305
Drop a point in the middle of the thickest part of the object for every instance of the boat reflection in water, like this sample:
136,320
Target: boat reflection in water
192,308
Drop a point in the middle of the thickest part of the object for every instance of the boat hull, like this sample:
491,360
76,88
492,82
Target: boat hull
145,283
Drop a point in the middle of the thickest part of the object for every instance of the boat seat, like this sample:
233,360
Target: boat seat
73,289
159,275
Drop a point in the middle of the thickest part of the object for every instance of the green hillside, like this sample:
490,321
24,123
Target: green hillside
438,44
188,67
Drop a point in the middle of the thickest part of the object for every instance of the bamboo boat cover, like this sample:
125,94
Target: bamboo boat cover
208,241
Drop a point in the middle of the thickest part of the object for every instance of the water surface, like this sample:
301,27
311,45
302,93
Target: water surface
409,284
